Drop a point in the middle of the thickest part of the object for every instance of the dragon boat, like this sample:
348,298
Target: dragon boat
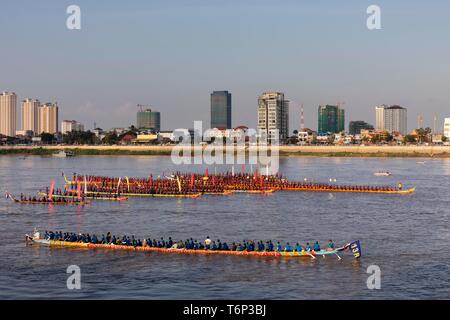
396,191
89,196
353,247
161,195
50,202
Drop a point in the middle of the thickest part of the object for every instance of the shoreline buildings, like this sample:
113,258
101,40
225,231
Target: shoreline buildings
8,113
39,118
273,114
149,120
391,119
221,110
71,125
330,119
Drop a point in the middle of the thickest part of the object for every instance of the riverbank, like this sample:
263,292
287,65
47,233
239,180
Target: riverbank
323,151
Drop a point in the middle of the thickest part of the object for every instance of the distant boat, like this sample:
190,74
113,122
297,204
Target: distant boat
382,174
63,154
421,162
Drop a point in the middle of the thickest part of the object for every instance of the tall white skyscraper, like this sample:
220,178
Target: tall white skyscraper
30,115
447,127
379,117
273,114
391,119
8,113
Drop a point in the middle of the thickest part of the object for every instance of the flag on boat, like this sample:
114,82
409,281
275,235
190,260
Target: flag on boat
192,180
79,190
118,184
355,247
50,193
179,184
128,183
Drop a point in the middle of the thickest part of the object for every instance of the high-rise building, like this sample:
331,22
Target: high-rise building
148,119
48,118
30,115
71,125
273,114
391,119
355,127
331,119
8,110
447,127
221,110
379,117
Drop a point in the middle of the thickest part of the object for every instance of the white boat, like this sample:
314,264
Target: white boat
63,154
382,174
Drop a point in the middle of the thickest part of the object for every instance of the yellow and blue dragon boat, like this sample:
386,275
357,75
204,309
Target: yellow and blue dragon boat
353,247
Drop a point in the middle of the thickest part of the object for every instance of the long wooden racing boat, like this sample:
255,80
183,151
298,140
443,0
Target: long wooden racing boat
52,202
89,196
404,192
161,195
291,254
253,191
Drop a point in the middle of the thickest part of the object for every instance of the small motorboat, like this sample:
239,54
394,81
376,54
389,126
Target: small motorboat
382,174
63,154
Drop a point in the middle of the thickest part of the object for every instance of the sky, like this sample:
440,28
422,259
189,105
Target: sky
172,54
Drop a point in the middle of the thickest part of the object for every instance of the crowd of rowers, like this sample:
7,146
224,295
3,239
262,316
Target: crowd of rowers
58,193
46,199
191,244
186,183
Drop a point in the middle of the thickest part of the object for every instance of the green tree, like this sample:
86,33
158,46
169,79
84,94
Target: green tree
111,138
409,139
47,138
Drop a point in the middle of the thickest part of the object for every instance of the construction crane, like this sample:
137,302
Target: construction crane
143,107
302,118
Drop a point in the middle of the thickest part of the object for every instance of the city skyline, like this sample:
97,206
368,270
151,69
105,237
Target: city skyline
31,110
364,68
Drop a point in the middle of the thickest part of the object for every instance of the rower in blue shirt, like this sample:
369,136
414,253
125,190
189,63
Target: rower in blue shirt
279,246
298,247
308,247
270,246
316,246
288,247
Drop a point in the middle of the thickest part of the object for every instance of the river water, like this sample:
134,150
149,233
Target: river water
406,236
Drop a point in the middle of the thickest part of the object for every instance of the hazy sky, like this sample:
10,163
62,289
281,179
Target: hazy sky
173,54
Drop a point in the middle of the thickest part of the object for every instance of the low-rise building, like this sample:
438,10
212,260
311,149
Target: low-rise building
146,138
307,136
71,125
